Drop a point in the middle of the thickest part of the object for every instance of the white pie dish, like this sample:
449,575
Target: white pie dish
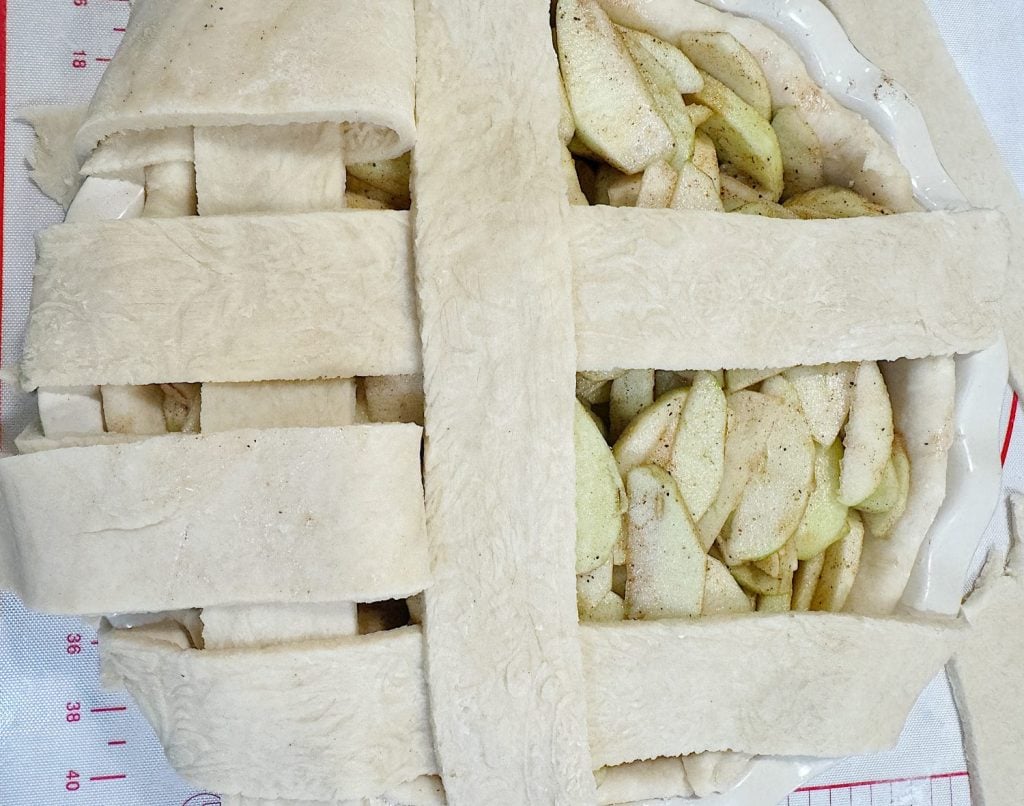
973,469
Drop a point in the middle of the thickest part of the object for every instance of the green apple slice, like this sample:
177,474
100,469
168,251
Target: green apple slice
684,75
885,495
867,443
722,593
736,193
705,159
697,459
751,416
698,114
803,166
825,517
631,393
572,180
774,603
766,209
805,581
774,499
657,185
825,392
842,561
600,496
722,56
667,100
742,136
594,387
753,580
614,112
648,438
696,190
665,561
832,202
783,561
566,122
881,524
390,176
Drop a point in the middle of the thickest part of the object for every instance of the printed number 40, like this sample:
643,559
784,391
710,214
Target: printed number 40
72,784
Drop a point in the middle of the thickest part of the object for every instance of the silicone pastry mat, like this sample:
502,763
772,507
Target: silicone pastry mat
64,740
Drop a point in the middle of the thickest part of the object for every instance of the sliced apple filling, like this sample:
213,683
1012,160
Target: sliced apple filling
704,493
686,124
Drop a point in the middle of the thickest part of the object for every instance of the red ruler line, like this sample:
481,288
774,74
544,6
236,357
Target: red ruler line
106,709
118,777
1009,428
3,158
113,742
853,784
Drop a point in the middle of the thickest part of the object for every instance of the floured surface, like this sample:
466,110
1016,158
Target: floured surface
758,292
659,688
289,515
922,395
349,62
373,736
223,299
494,283
297,168
986,675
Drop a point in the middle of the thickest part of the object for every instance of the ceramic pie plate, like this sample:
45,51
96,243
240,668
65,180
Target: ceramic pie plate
974,469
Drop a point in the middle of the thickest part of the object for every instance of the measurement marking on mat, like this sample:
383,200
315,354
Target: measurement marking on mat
117,742
1014,404
106,709
120,776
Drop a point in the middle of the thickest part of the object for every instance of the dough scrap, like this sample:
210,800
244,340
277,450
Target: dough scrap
348,62
340,718
495,292
54,167
124,154
282,515
298,168
225,298
695,290
986,674
797,684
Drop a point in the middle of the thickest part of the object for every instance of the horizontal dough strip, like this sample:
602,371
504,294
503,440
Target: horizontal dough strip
815,684
348,62
232,298
321,721
250,516
245,298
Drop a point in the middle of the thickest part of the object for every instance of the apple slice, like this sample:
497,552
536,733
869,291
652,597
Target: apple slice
736,192
832,202
705,159
766,209
600,496
737,379
685,76
774,499
842,561
742,136
751,416
885,495
611,608
566,122
667,100
825,392
698,114
390,176
665,561
778,386
594,387
803,166
591,588
775,603
805,581
722,56
867,442
753,580
648,438
614,112
657,185
722,593
881,524
696,190
697,459
825,517
783,561
631,393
